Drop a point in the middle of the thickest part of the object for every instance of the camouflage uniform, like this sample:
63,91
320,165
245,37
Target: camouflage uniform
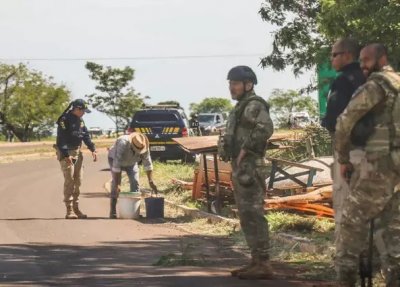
372,193
250,132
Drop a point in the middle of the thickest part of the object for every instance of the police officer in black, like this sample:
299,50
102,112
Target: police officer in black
344,56
344,59
71,131
194,124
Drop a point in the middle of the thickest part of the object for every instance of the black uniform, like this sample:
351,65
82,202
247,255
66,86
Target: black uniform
342,89
71,132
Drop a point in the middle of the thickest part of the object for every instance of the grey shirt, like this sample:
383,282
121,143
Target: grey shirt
123,155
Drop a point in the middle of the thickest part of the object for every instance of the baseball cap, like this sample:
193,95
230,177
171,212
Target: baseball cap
81,104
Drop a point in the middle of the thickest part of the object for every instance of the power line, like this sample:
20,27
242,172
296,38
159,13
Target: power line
143,58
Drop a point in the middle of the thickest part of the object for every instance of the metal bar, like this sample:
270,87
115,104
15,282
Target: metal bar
272,175
311,177
291,177
207,184
294,175
217,189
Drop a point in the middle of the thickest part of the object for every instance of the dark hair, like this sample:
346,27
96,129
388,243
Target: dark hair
349,45
65,111
380,49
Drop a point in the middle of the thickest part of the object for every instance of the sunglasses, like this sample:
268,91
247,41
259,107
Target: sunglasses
335,54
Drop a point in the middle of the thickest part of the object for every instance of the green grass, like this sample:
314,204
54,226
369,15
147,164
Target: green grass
163,173
282,222
171,260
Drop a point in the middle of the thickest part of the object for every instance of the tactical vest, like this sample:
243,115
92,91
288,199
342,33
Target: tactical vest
234,121
386,136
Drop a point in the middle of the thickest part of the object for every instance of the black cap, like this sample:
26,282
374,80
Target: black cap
81,104
242,73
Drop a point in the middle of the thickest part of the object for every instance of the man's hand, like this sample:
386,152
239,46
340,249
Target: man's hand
153,186
346,170
94,155
240,157
69,160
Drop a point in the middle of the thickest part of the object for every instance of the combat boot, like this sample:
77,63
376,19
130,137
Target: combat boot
70,213
235,272
113,208
260,270
78,212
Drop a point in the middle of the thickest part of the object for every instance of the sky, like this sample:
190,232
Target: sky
167,42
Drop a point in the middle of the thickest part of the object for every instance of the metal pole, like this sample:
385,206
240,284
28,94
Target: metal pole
217,187
207,184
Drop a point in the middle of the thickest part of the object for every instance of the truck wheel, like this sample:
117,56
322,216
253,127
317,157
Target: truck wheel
189,158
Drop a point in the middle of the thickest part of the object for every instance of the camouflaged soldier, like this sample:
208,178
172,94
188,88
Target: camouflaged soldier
249,126
71,131
376,171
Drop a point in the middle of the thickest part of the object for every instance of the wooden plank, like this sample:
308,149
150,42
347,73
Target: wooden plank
296,164
209,144
318,194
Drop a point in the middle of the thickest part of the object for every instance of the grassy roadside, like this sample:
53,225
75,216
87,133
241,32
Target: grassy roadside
304,242
10,152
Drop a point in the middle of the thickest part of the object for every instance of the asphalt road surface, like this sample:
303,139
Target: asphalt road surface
38,247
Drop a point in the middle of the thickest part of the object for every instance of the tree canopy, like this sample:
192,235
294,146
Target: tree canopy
284,103
212,105
305,29
30,101
114,97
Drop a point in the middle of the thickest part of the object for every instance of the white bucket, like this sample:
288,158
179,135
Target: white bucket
129,205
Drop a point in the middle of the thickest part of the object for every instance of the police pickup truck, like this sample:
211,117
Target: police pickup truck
160,124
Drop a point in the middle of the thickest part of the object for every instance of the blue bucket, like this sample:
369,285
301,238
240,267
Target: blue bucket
154,207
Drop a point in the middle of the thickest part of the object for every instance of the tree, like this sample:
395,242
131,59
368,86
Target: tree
30,102
212,105
284,103
307,28
115,97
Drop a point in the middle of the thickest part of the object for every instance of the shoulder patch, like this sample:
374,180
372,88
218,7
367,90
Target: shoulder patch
61,123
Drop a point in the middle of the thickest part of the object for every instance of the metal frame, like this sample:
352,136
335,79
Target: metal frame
293,177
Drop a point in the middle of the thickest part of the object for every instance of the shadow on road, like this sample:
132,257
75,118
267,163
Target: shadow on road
128,264
94,194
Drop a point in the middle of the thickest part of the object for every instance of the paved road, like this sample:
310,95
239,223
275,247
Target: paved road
38,247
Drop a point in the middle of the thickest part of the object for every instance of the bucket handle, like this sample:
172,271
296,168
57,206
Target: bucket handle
154,190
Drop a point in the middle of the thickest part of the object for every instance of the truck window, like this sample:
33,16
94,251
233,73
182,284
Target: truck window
155,117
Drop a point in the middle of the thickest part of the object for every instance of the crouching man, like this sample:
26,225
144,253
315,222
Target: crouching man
124,155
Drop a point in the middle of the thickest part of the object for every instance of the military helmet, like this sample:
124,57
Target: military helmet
242,73
80,104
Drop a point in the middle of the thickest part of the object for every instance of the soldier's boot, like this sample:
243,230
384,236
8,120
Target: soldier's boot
70,213
261,270
113,208
78,212
235,272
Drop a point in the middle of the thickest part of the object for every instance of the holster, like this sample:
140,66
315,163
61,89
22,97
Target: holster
58,153
224,147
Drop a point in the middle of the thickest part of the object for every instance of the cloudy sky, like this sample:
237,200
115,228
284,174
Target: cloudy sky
167,42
